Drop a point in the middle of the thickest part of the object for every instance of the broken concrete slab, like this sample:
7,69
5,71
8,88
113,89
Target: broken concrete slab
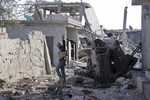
140,83
135,74
22,58
3,84
147,90
147,74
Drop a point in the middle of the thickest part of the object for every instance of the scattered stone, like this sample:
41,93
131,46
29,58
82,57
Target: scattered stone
90,98
84,59
89,86
104,92
3,84
118,91
77,98
89,81
131,86
69,95
78,81
25,80
87,92
119,80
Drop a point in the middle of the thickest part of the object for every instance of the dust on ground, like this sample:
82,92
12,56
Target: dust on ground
77,87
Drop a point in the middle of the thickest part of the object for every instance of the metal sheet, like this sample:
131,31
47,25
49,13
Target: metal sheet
92,20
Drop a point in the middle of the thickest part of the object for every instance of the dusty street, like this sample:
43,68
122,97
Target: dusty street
76,88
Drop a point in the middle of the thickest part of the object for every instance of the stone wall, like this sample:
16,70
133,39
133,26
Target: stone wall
48,30
20,59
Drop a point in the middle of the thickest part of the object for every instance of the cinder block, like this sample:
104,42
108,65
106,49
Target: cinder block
147,74
147,90
140,83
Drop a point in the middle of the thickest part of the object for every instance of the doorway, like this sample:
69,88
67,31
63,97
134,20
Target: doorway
50,43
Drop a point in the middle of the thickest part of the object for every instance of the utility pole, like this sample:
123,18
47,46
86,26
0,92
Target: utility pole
125,18
124,35
81,11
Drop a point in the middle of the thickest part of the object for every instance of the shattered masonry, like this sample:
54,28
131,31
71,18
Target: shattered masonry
20,59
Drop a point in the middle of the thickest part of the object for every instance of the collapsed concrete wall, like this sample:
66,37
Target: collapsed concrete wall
20,59
55,31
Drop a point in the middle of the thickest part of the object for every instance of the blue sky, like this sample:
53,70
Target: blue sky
110,12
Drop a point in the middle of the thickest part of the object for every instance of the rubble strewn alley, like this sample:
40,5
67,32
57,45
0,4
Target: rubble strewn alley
77,88
81,83
101,64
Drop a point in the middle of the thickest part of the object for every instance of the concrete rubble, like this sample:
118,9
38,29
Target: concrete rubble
103,71
23,76
21,59
106,61
99,67
77,88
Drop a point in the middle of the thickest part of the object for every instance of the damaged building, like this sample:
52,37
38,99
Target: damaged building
55,19
48,23
145,79
20,58
28,56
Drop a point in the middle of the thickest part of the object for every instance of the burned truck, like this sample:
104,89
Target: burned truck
107,61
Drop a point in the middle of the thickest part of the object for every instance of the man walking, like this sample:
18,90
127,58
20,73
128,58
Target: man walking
60,69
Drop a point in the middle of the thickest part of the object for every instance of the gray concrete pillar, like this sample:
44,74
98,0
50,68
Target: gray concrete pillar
44,13
146,37
59,9
81,12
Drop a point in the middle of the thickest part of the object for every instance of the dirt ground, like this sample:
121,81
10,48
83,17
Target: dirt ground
76,88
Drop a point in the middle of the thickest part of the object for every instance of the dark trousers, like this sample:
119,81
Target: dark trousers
60,69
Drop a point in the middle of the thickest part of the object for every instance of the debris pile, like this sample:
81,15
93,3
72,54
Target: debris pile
77,90
107,61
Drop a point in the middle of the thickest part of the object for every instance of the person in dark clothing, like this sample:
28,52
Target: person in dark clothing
60,68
